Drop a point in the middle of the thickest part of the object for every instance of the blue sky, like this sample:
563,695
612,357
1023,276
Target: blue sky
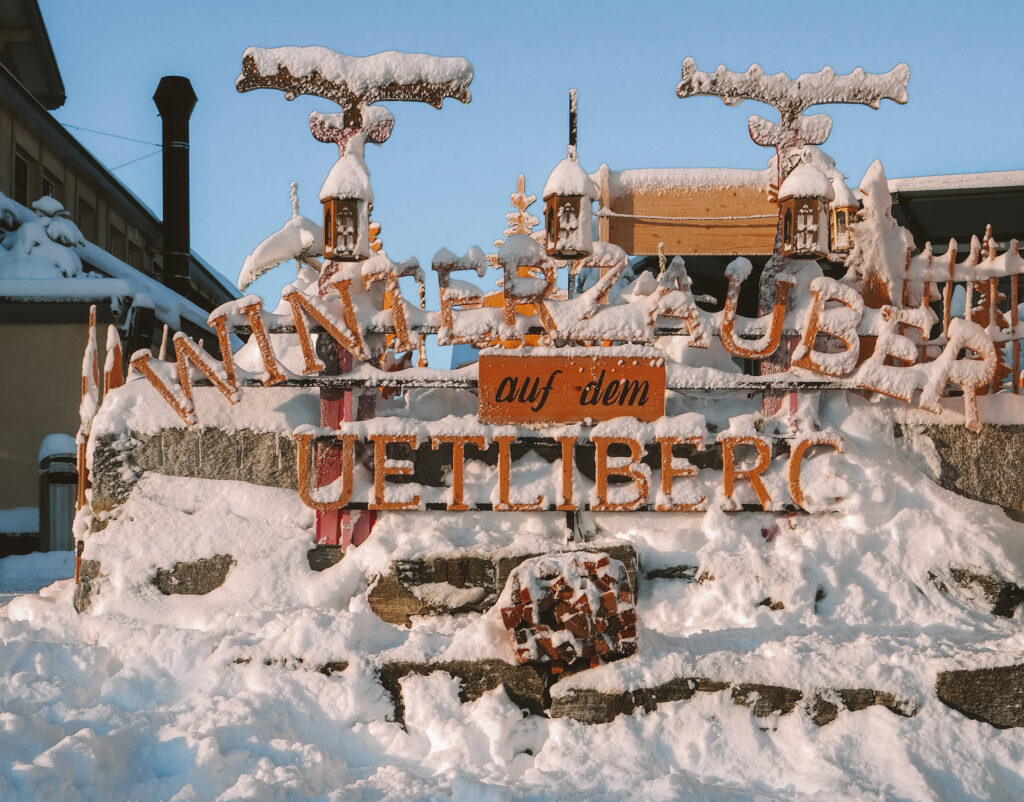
443,179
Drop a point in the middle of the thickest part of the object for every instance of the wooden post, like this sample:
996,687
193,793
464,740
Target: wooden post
1015,349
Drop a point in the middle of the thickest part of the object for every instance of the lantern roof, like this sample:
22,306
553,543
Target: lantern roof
843,194
568,178
349,177
806,181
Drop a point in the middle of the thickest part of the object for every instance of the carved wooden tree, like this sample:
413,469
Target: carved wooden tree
791,97
355,84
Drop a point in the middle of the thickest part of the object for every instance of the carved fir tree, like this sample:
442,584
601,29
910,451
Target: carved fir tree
791,97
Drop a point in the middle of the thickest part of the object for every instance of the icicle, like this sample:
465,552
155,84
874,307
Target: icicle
90,399
162,356
87,408
295,198
113,375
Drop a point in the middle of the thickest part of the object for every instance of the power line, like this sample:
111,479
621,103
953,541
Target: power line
116,136
125,164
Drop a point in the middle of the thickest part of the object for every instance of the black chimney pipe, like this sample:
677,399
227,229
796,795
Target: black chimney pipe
175,100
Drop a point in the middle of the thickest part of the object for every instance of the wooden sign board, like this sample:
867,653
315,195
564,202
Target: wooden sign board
553,389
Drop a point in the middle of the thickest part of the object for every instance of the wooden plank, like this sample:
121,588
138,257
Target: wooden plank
641,233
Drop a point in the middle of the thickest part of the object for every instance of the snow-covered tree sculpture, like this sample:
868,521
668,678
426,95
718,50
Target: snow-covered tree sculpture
299,239
791,97
878,261
355,83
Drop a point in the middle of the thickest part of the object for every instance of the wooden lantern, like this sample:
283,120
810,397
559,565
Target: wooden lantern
567,195
342,224
844,212
562,220
803,205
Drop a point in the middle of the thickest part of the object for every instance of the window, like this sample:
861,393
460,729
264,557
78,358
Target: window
52,186
135,255
116,242
86,220
21,162
787,228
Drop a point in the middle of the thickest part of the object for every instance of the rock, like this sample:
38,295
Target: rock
992,695
323,557
393,602
771,604
687,573
595,707
766,700
334,667
1004,596
194,578
982,465
525,685
405,591
88,575
592,707
826,704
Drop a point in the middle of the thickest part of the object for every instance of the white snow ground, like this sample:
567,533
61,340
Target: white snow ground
143,696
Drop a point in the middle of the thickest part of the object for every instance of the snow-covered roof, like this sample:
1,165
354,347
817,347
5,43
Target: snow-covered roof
1000,178
626,182
349,177
45,258
806,181
568,178
843,194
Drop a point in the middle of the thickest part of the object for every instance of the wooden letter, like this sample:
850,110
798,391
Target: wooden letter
969,373
458,443
568,444
629,470
838,323
185,409
504,474
381,471
394,302
252,311
796,459
669,471
220,324
764,346
185,351
351,339
753,475
302,448
895,382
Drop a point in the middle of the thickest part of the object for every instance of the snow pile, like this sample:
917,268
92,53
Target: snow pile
806,181
568,178
40,246
218,696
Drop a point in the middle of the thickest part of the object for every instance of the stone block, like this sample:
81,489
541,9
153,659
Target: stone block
992,695
88,575
393,602
981,465
1003,596
766,700
194,578
323,557
526,686
592,707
